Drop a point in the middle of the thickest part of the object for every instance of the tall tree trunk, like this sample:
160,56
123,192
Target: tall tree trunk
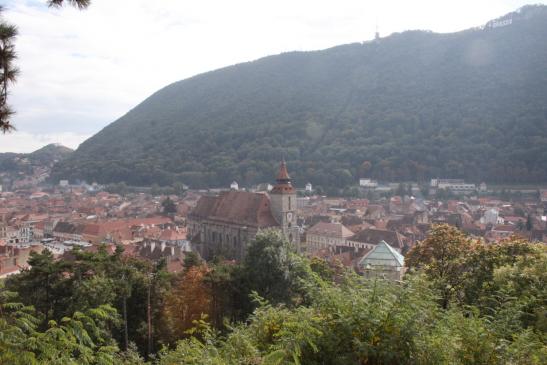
149,317
125,322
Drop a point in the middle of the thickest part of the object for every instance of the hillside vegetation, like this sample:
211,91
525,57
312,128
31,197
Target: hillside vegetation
462,302
471,104
23,163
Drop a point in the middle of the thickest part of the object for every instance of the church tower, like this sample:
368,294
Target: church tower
283,205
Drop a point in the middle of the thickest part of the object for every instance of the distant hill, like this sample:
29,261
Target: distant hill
15,163
417,104
51,153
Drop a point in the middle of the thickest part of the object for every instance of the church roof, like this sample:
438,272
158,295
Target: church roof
283,174
371,235
382,255
283,181
236,207
330,229
204,207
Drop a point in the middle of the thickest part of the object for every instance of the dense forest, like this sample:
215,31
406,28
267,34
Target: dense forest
410,106
47,156
461,302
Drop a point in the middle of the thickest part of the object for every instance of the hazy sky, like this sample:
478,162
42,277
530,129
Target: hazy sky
81,70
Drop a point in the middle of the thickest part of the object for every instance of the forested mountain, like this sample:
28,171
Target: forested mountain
417,104
47,156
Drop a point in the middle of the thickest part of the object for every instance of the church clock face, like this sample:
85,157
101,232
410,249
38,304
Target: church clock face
289,216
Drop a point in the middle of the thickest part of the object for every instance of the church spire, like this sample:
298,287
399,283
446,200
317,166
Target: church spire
283,174
283,181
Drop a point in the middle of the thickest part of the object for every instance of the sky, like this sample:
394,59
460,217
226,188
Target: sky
82,70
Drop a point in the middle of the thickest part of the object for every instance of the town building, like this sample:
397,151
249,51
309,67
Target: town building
368,183
225,224
13,259
370,237
454,185
327,235
383,261
491,216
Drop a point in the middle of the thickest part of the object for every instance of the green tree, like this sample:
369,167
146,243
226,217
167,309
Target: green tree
355,322
8,71
168,206
442,256
270,267
82,338
179,188
80,4
191,259
44,285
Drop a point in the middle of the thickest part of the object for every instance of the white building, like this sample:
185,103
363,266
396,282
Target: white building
368,183
491,216
234,185
309,187
63,183
454,185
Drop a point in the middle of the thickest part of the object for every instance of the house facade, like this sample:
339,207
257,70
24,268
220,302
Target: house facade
327,235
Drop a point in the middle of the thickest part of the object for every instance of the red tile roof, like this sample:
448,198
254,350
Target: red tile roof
330,229
236,207
374,236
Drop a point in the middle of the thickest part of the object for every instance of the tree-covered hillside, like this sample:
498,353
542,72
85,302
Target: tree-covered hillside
471,104
14,163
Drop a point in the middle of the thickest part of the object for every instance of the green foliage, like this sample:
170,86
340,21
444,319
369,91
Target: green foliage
413,105
8,71
443,258
24,163
272,269
359,322
191,259
59,289
80,4
83,338
168,206
463,302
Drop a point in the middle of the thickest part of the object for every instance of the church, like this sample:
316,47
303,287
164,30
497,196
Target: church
225,224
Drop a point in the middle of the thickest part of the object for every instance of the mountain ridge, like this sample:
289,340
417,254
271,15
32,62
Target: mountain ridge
328,111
